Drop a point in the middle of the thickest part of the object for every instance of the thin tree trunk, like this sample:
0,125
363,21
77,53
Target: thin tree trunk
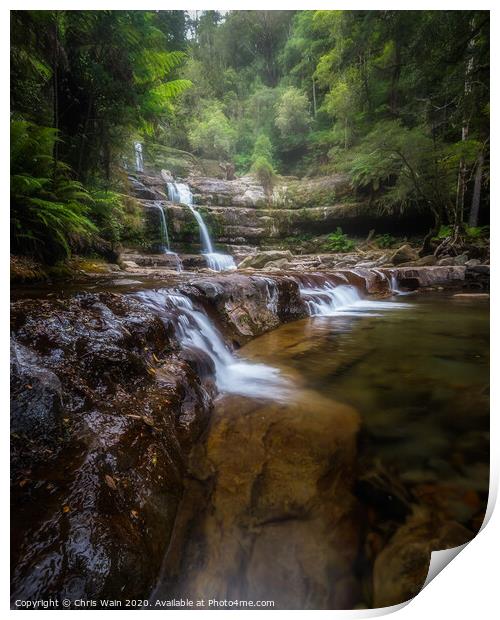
426,244
476,196
55,93
314,97
467,107
396,73
84,139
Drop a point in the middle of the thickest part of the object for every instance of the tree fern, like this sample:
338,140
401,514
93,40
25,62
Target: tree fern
49,209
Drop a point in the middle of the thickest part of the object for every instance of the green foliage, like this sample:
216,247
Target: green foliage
212,135
473,233
262,158
107,212
49,210
264,171
444,232
263,148
293,118
385,241
339,242
477,232
399,100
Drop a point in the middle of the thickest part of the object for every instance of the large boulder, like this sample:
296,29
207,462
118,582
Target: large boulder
404,254
261,259
103,416
248,306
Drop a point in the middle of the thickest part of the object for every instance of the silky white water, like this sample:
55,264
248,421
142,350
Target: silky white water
344,299
139,160
195,331
165,241
181,194
164,238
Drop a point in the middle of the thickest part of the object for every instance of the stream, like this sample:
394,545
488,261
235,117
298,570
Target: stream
315,466
387,397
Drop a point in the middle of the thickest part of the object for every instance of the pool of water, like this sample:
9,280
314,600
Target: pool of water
387,421
418,375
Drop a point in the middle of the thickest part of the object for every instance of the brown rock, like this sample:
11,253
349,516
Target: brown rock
400,570
404,254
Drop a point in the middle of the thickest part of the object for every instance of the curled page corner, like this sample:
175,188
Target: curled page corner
440,559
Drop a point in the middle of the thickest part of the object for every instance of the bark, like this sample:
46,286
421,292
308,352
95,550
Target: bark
314,96
55,92
426,244
396,73
476,196
462,172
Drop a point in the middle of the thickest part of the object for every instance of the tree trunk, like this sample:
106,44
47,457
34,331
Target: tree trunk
396,74
426,244
466,112
314,97
476,196
55,93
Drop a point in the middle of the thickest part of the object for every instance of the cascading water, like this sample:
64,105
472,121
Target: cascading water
164,238
139,159
181,194
195,331
163,227
344,299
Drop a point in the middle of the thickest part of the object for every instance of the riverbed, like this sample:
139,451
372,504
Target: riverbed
381,446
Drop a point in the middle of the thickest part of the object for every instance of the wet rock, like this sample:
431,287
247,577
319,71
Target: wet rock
248,306
193,261
104,413
282,263
417,277
401,568
261,259
426,261
478,277
446,261
461,259
134,260
282,523
404,254
36,412
473,262
244,191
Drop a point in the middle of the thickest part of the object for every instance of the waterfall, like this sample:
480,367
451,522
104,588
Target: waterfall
164,238
343,300
392,281
181,194
328,299
394,284
163,227
196,332
139,160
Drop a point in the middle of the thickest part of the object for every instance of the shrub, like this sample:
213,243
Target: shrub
264,171
339,242
262,161
385,241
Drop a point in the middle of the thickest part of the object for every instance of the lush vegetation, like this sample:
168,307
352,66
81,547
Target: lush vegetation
398,100
84,84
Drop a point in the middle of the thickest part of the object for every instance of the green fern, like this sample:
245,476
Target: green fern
49,209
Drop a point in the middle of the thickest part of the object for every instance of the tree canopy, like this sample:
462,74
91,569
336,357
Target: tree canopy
398,100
